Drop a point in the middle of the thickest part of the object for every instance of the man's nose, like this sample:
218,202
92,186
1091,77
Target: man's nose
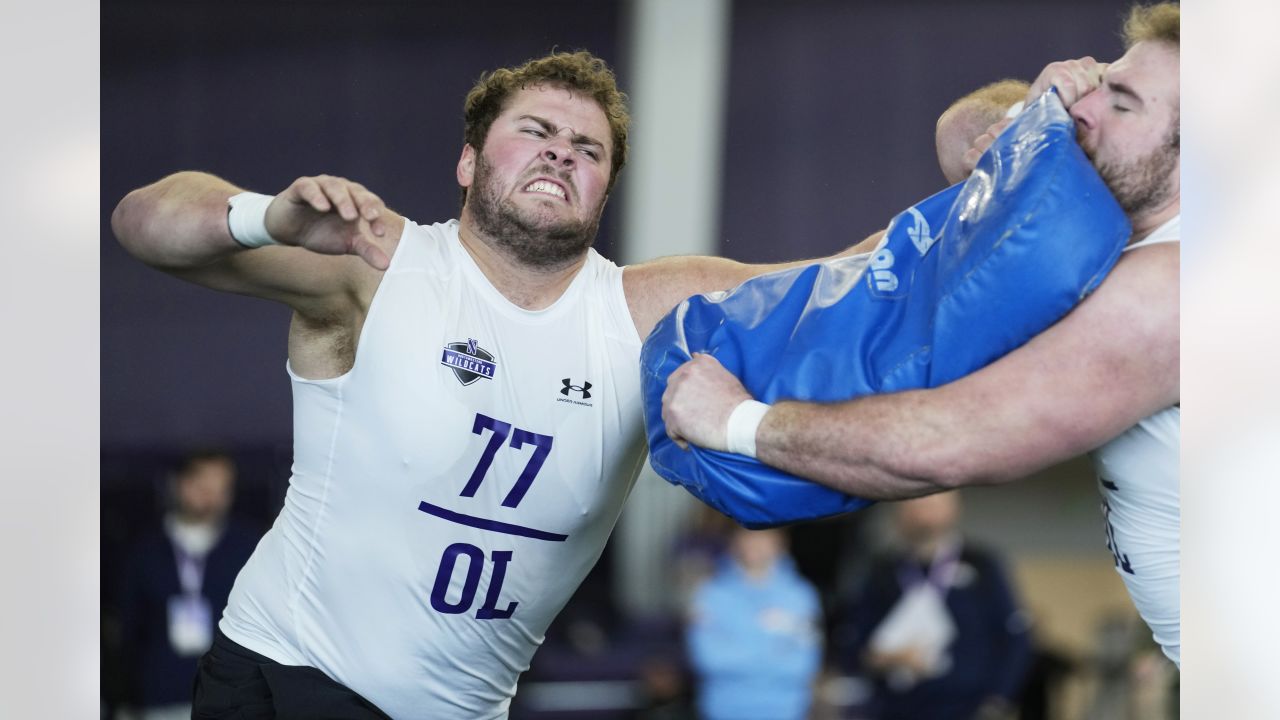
1085,111
558,151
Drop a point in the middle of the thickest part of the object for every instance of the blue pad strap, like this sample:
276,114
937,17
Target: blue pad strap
960,279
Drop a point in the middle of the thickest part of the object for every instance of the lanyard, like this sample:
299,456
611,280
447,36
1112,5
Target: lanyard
942,569
190,570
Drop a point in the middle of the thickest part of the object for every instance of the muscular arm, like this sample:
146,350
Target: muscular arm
654,287
179,225
1109,363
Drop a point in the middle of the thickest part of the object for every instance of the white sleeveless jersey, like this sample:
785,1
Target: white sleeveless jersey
1138,474
450,491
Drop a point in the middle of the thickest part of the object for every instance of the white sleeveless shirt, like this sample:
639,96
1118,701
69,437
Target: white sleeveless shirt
451,491
1138,474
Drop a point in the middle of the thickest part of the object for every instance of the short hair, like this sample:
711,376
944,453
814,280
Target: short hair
199,456
579,71
997,97
1158,23
970,116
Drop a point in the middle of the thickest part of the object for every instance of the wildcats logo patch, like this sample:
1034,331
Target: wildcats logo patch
468,361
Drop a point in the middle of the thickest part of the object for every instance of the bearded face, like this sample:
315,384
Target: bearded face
536,238
1142,184
1128,126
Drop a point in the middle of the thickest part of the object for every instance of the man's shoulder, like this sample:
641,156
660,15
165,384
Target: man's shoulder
1153,270
404,231
404,242
1169,231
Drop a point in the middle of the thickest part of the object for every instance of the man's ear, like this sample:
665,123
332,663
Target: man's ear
467,166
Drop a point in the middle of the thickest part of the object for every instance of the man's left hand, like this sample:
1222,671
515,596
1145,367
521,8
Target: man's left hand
700,396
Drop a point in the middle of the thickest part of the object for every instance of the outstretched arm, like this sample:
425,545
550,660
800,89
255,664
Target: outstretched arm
179,225
1109,363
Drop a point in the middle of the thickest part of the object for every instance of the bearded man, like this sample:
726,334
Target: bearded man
1104,379
467,412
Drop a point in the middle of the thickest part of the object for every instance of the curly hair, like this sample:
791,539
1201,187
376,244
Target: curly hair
1159,23
579,71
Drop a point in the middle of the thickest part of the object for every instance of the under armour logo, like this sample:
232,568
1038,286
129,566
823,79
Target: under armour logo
584,388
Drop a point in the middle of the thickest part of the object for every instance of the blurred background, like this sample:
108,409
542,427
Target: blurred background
762,131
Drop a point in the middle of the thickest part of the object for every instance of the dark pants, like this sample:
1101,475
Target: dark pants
236,683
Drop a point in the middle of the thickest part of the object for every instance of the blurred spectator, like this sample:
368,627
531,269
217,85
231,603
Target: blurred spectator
177,579
753,635
936,627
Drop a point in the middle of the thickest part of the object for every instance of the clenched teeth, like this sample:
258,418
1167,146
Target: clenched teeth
542,186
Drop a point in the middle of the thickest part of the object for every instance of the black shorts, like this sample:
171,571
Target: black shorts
236,683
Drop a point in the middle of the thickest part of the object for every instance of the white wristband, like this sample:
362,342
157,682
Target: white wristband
743,421
247,219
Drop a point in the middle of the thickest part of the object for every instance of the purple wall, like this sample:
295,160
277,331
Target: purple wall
829,132
832,106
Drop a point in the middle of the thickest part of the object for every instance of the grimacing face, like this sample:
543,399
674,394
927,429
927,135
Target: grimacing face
539,185
1129,127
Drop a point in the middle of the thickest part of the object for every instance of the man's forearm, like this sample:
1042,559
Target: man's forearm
885,447
178,222
843,446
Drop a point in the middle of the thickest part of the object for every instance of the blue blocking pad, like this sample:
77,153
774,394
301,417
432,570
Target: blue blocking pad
960,279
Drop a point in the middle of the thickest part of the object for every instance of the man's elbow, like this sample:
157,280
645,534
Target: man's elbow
952,477
147,225
125,222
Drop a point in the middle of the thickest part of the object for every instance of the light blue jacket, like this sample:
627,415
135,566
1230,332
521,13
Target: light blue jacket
756,647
